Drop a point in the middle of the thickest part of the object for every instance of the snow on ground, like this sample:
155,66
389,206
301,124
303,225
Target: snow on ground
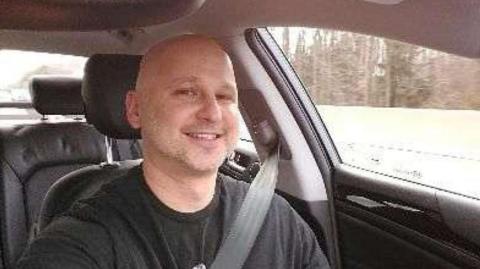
439,148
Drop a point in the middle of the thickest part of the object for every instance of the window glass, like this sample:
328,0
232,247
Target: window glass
393,108
17,69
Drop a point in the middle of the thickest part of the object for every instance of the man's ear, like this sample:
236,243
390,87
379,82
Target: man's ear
132,109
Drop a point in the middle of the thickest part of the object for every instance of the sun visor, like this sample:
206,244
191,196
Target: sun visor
91,15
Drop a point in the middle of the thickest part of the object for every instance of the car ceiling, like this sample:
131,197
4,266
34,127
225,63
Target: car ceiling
447,25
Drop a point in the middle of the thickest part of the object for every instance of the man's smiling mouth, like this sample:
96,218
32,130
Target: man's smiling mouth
204,136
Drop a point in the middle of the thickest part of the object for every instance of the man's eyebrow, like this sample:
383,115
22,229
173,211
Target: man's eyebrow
229,87
183,79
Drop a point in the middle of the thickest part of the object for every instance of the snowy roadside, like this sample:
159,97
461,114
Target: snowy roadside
439,148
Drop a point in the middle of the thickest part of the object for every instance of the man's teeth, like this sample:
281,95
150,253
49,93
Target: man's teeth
203,136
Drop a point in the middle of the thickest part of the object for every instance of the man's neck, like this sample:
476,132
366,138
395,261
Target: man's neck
177,189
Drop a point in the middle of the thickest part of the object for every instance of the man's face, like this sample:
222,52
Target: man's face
188,108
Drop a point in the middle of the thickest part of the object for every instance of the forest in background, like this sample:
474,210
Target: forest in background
349,69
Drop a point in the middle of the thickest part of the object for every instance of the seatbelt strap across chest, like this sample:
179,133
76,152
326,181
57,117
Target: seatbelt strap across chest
238,243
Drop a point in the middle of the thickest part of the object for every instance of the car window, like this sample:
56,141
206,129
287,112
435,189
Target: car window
16,71
393,108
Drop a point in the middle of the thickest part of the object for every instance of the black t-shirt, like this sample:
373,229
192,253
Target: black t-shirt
125,226
191,239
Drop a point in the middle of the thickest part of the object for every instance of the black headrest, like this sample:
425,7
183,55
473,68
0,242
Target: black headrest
107,79
57,95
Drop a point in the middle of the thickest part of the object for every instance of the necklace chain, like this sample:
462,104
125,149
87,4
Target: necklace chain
202,251
203,233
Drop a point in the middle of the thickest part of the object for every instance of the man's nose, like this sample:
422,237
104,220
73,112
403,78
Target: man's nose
210,110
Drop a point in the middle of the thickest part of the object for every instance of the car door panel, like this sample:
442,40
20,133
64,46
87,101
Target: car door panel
387,222
372,247
461,214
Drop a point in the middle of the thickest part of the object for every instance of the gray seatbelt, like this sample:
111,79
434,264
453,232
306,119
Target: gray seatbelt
236,247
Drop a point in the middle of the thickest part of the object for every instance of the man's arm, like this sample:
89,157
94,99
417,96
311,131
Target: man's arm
308,250
299,237
69,243
313,254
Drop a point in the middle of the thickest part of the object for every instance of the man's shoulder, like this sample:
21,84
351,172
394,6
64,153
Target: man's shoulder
232,185
237,190
113,197
283,227
68,242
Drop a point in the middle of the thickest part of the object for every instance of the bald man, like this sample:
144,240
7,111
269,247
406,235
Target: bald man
175,209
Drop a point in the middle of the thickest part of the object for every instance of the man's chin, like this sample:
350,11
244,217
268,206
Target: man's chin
205,166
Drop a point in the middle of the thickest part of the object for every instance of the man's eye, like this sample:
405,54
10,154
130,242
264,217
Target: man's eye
225,97
186,93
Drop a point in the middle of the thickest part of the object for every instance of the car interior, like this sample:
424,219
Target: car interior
362,219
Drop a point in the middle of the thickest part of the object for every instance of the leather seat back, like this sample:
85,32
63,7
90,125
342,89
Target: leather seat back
34,156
